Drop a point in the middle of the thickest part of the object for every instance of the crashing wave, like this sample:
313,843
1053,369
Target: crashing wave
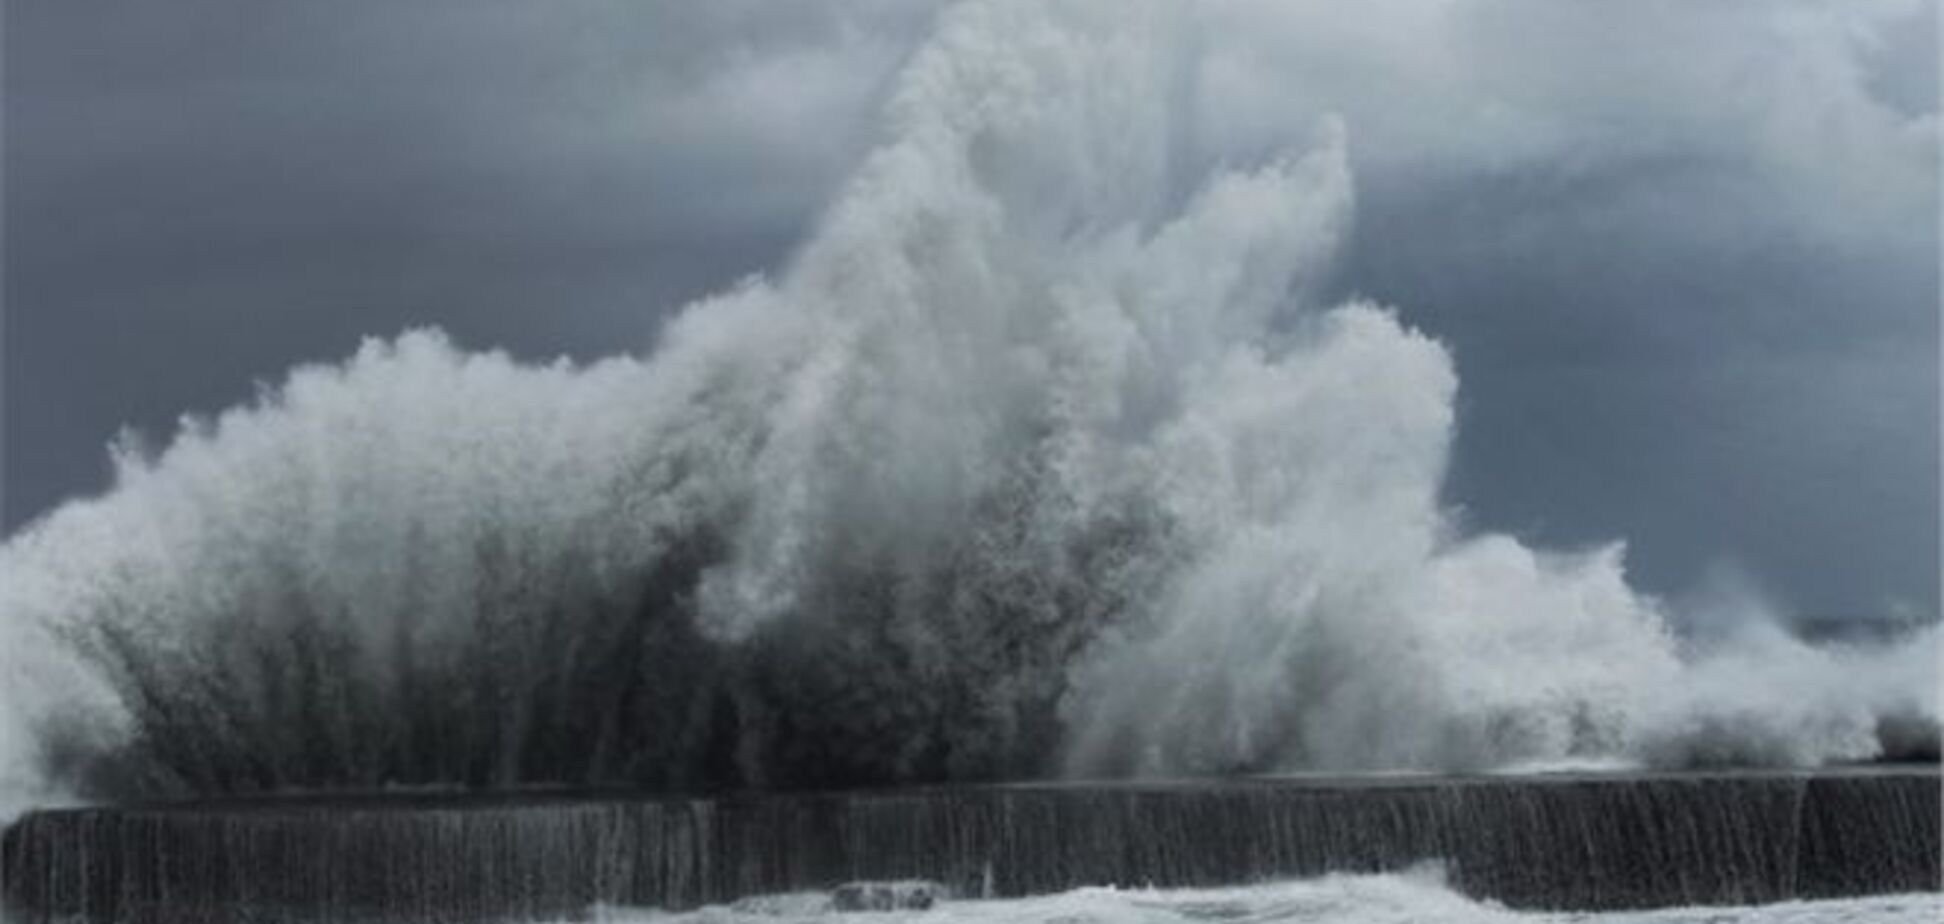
1028,462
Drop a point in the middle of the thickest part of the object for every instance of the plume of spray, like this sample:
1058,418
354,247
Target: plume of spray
1034,459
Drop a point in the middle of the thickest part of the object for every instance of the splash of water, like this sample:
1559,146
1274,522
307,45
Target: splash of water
1028,462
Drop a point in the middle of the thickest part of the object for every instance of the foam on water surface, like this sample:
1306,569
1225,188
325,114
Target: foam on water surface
1419,895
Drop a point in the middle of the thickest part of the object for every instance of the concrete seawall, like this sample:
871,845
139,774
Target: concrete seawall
1594,841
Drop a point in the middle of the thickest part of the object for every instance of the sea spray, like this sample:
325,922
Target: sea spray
1043,454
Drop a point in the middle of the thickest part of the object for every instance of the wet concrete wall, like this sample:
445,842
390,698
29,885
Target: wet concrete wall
1547,842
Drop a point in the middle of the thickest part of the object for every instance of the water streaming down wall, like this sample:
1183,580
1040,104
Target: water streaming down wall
1568,842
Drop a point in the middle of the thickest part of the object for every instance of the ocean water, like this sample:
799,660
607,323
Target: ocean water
1401,898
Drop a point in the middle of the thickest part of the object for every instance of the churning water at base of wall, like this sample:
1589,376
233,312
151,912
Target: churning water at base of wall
1417,897
1579,842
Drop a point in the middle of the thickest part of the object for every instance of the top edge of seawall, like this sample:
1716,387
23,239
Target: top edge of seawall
407,799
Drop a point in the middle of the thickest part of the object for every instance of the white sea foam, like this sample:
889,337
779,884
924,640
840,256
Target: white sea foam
1417,897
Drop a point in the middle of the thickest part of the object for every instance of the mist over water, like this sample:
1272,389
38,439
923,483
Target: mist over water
1045,454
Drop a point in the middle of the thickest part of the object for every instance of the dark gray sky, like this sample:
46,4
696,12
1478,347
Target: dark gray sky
1685,254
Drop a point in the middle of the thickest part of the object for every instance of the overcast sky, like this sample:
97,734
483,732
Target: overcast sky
1685,254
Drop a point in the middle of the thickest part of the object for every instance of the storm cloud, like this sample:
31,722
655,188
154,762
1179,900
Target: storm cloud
1685,256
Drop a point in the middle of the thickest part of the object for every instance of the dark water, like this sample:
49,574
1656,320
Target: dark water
1595,842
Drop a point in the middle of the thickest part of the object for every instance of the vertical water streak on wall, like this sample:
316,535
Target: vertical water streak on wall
1854,833
1554,843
